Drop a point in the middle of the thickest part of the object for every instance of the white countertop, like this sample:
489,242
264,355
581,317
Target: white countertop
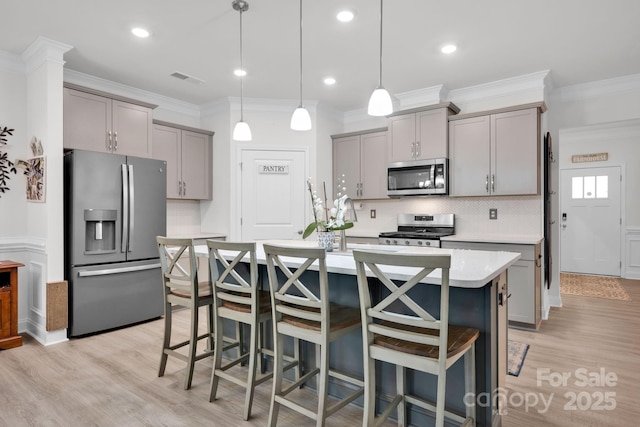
198,235
469,268
520,239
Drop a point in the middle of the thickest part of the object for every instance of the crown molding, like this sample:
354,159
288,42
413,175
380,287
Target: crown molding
164,102
525,88
43,51
600,131
421,97
598,88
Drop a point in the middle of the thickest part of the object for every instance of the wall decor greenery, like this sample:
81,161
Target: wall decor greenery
6,166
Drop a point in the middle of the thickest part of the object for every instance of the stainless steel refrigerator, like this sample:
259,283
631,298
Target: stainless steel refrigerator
115,206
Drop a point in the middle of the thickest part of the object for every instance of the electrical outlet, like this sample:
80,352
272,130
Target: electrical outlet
493,213
373,213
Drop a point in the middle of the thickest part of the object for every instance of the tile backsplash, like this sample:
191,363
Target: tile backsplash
183,217
516,215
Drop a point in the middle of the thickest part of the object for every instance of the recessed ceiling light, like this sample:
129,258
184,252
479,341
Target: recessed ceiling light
345,16
449,48
239,72
329,81
140,32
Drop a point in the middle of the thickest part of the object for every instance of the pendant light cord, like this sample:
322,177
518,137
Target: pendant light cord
301,53
241,73
380,79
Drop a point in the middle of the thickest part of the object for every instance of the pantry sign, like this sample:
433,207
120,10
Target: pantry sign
273,169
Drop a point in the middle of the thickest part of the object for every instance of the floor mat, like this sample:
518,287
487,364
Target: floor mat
592,286
517,353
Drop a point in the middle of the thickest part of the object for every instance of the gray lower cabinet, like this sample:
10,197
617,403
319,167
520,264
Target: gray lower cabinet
524,280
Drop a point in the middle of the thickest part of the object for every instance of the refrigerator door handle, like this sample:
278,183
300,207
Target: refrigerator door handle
132,209
118,270
125,209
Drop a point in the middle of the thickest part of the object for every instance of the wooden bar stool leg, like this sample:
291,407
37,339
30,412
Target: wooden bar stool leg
191,358
210,329
277,379
166,341
323,383
369,410
470,380
401,390
251,380
217,358
442,382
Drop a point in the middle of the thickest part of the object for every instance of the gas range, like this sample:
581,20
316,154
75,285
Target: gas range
419,230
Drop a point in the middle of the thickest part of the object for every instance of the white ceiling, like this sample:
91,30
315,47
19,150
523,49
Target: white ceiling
578,40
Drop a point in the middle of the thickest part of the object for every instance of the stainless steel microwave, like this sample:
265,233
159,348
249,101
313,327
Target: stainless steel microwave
418,178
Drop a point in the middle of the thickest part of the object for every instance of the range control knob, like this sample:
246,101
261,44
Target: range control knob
395,242
427,243
406,242
420,243
388,242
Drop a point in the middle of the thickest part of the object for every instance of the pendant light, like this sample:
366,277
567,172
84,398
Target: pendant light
241,132
380,102
300,120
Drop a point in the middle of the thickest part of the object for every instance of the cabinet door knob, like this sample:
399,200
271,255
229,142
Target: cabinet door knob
115,143
486,183
493,183
109,141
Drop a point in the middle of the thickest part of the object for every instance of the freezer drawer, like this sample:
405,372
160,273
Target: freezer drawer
108,296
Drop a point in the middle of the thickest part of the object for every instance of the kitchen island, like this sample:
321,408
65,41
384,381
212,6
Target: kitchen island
478,295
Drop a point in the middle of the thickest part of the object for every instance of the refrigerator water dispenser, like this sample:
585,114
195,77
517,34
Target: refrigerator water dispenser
100,230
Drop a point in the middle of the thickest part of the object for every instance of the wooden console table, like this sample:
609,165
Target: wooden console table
9,337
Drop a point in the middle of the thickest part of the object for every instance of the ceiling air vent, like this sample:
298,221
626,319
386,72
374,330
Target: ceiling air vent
186,77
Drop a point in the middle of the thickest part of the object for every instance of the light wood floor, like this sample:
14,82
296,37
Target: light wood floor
591,334
111,379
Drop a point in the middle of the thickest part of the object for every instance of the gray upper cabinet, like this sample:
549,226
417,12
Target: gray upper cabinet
98,123
361,160
495,154
420,134
188,156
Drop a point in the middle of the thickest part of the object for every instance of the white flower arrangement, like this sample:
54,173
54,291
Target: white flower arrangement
327,219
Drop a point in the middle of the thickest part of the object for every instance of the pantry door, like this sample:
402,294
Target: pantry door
590,221
273,187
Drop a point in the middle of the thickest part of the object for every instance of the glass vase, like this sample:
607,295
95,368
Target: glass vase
326,239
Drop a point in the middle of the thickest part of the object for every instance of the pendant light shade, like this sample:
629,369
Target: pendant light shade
301,120
241,132
380,102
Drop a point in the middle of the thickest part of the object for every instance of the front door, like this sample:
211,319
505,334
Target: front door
590,221
273,184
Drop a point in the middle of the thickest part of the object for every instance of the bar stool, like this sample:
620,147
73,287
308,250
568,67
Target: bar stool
416,340
237,298
302,312
182,288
